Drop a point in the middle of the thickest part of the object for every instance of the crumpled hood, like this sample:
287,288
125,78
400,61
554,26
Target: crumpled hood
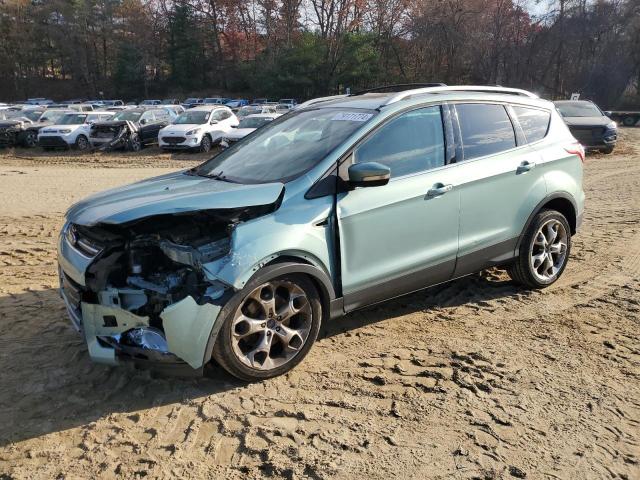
11,123
111,123
169,194
587,121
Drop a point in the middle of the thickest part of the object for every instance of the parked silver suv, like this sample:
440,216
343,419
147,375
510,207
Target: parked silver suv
339,204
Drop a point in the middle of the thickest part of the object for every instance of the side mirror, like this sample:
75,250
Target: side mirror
143,121
234,126
369,174
608,113
213,122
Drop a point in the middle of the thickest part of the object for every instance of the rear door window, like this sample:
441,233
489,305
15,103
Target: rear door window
410,143
534,122
486,129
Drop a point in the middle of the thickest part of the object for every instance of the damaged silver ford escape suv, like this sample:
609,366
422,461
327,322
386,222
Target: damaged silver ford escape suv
339,204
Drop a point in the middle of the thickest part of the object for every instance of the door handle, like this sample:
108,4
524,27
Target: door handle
439,189
526,166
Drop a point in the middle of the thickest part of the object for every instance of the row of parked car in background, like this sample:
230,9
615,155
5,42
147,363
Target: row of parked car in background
196,124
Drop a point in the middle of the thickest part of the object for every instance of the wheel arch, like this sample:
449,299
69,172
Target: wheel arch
293,264
561,202
279,266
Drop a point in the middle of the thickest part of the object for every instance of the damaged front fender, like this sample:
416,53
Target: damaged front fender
187,329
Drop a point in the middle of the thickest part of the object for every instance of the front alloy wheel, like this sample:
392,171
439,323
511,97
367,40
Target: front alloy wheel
270,329
205,144
82,143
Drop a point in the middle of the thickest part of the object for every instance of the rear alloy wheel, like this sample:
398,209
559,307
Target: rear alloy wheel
31,139
629,121
270,329
205,144
82,143
544,251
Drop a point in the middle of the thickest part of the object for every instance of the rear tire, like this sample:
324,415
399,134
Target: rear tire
269,327
629,121
544,251
30,139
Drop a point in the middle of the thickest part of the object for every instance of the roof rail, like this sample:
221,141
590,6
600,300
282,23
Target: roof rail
399,87
459,88
313,101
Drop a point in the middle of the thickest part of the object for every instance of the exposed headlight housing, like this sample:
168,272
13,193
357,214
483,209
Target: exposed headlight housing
193,132
612,125
66,130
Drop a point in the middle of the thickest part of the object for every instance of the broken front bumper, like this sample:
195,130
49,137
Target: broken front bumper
114,334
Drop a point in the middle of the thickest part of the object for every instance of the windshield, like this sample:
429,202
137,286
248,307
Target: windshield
150,102
254,122
52,116
127,116
191,100
287,147
192,118
73,119
579,109
32,115
212,100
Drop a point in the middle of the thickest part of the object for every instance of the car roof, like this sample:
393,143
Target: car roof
377,100
263,115
207,108
571,102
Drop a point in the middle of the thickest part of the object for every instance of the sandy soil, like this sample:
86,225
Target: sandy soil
474,379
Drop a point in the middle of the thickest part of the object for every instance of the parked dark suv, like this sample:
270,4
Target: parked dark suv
588,124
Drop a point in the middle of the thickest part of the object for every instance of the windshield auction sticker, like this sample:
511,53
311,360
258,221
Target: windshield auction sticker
352,117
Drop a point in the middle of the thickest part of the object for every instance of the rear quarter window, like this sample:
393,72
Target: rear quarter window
486,129
534,122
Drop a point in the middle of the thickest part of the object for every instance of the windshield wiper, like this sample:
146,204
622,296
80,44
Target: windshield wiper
218,176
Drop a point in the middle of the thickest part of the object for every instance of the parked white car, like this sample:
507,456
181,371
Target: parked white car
249,124
256,109
72,130
198,128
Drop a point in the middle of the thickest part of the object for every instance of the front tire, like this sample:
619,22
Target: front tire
135,144
205,144
82,143
269,327
544,251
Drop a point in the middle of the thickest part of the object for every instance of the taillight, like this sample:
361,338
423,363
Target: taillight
576,149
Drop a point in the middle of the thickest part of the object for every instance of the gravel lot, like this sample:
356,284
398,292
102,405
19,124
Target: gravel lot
474,379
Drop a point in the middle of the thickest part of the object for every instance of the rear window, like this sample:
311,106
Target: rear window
486,129
534,122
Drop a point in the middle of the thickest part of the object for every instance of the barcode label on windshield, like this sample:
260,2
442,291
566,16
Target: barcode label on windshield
352,117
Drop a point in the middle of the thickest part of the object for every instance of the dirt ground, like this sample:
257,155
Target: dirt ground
474,379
